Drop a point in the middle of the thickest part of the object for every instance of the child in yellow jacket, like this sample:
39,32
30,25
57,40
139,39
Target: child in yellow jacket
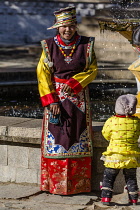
122,131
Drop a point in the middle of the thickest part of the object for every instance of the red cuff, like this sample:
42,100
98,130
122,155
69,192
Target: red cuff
49,98
75,85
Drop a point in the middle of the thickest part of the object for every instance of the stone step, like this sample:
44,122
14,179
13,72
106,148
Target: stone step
111,64
98,80
114,81
109,46
18,83
19,74
115,57
113,70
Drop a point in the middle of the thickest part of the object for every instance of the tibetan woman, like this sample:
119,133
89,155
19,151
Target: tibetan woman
66,67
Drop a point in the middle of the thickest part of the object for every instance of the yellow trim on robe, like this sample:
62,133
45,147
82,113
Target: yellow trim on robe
45,85
84,78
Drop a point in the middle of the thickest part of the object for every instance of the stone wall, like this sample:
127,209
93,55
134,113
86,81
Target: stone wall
26,22
19,164
20,153
20,150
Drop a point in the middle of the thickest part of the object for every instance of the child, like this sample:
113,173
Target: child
122,130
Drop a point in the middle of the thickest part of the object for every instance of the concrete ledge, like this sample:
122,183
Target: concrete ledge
28,131
20,140
21,130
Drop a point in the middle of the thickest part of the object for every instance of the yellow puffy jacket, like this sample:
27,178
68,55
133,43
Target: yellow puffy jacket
123,134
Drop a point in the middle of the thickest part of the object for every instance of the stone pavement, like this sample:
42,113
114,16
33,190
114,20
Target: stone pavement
17,196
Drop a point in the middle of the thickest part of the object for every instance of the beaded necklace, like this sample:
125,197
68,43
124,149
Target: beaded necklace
67,58
62,45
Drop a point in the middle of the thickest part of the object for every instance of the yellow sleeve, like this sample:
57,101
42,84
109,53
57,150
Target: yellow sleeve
46,89
82,79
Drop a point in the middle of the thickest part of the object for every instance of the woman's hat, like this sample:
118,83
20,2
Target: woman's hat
136,36
126,104
64,16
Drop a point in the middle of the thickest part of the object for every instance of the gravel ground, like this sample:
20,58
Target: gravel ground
17,196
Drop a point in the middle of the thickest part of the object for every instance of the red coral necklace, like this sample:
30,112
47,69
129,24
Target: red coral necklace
68,58
72,46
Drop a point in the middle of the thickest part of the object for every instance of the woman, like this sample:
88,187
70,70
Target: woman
67,65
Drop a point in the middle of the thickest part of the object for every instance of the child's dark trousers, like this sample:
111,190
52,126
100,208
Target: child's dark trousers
130,179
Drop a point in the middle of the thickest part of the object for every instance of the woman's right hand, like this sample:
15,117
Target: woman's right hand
67,89
54,109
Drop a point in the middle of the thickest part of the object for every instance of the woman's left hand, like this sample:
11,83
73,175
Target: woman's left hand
67,89
55,109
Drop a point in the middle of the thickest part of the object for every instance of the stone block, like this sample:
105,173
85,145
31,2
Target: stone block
24,132
80,5
7,174
99,6
3,155
92,12
18,156
26,175
2,130
91,6
34,158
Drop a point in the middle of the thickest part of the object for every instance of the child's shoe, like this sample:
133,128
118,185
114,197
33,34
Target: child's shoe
106,201
133,202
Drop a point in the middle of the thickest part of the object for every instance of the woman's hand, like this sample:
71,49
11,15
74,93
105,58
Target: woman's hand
55,109
67,89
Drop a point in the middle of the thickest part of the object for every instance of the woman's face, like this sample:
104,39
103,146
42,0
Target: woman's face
67,31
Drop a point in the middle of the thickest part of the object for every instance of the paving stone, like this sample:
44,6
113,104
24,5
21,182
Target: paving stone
81,199
14,191
15,196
